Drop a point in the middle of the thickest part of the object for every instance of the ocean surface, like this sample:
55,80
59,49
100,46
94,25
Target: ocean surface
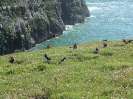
110,19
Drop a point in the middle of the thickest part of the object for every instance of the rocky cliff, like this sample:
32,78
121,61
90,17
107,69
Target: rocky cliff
24,23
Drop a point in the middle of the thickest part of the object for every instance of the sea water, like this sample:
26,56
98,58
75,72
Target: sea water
110,19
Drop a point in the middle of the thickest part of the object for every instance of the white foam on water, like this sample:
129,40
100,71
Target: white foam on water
93,8
92,16
77,24
69,27
57,37
99,3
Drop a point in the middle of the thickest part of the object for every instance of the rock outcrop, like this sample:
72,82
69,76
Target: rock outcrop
24,23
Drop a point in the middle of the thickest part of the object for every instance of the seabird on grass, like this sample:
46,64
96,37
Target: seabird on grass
75,46
105,45
62,60
125,41
96,51
48,59
11,59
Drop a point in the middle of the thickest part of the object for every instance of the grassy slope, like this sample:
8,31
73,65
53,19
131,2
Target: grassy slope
84,75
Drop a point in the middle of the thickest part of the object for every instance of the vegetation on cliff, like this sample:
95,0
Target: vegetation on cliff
83,75
23,23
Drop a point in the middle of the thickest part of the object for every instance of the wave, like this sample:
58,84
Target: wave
108,3
93,8
92,16
99,3
69,27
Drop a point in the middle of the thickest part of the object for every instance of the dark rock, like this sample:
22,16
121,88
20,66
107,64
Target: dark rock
74,11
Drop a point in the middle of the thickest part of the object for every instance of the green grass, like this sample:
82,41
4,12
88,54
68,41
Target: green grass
84,75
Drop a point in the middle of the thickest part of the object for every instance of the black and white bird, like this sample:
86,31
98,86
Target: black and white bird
11,60
48,59
96,51
105,40
105,45
62,60
125,41
130,41
75,46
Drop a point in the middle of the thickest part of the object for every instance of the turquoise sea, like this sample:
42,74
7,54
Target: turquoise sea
110,19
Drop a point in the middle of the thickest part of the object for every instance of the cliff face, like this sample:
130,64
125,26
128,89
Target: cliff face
74,11
23,23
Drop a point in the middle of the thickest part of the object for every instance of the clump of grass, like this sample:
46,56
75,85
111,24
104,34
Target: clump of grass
20,61
40,68
107,54
40,97
10,72
107,92
107,68
45,95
